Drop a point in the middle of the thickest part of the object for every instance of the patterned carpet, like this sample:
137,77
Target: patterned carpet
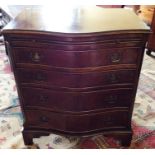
143,120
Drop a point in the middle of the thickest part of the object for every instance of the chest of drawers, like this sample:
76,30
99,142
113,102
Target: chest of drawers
77,76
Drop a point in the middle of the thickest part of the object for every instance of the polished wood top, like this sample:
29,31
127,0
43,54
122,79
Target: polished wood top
76,20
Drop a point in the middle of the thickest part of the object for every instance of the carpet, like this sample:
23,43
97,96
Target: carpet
11,118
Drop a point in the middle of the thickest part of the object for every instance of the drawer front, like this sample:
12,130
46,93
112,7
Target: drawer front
75,80
78,46
76,59
21,39
76,101
76,123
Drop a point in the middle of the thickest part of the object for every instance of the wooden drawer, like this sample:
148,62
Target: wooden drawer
76,59
75,80
16,38
76,123
78,46
76,101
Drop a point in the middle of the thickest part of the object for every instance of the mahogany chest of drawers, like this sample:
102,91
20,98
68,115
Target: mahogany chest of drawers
76,70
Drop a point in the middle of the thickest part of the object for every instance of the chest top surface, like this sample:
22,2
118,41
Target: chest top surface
76,20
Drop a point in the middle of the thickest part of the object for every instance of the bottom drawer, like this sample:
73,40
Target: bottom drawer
76,123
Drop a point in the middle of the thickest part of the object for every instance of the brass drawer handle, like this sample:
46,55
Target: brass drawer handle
35,57
115,57
44,119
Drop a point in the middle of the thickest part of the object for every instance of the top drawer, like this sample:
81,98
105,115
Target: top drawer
76,38
76,59
78,46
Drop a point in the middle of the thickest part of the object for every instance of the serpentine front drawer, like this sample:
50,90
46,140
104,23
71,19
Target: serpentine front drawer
79,124
75,80
76,101
76,59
